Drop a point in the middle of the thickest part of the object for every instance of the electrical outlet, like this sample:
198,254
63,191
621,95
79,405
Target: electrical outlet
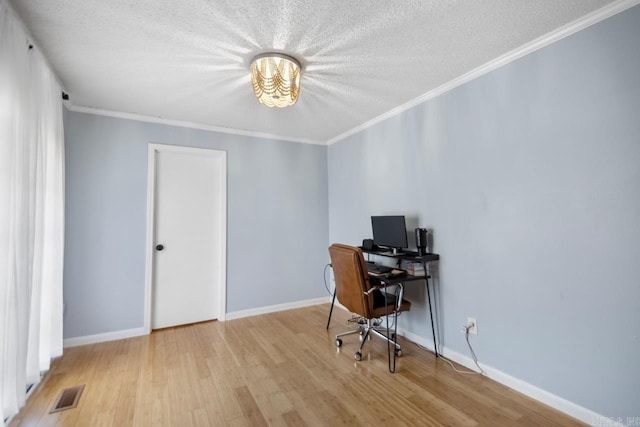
473,325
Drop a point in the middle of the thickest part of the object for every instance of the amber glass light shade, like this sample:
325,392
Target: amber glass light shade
276,79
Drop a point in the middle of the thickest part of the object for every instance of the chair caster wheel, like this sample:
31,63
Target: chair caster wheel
398,352
357,355
338,342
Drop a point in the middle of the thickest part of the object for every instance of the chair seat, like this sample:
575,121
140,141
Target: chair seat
384,304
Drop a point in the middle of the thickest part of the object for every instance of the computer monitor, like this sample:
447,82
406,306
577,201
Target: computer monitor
389,231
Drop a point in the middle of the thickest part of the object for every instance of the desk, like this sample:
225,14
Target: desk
399,281
410,256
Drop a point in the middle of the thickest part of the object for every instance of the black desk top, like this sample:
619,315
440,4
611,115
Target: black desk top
406,255
395,279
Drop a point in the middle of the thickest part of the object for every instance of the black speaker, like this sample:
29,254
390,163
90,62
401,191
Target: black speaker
421,240
368,245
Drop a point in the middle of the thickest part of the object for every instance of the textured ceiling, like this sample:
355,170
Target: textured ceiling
188,60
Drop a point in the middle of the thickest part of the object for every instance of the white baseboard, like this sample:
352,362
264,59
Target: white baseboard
583,414
543,396
109,336
277,307
136,332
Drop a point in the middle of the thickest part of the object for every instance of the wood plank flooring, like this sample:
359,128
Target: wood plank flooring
279,369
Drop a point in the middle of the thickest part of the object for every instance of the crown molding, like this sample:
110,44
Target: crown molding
534,45
539,43
184,124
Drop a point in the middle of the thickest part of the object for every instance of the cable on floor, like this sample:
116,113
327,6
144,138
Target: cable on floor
357,319
473,355
324,276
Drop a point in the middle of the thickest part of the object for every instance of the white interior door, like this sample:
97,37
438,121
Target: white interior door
189,219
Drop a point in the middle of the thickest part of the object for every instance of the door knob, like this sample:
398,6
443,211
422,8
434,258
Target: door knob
159,247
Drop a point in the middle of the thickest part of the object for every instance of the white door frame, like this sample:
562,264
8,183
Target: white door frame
153,150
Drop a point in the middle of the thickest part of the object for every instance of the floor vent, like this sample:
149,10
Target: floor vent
68,399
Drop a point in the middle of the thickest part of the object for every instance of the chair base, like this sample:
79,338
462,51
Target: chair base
367,331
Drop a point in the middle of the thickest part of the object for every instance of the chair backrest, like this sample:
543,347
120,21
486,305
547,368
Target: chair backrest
352,279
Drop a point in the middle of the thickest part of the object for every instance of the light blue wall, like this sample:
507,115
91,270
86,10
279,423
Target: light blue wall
277,219
530,178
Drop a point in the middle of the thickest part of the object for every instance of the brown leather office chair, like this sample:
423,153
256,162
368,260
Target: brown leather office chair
355,291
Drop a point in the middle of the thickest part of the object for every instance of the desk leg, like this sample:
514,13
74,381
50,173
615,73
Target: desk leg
392,363
333,301
399,295
433,329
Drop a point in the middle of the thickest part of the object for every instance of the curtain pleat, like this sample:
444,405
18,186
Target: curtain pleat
31,213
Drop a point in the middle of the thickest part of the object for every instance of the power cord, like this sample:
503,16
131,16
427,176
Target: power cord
357,319
459,371
473,355
324,276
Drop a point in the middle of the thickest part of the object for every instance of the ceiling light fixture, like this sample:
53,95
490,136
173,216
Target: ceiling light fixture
276,79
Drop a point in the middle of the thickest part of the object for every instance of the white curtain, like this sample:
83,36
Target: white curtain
31,213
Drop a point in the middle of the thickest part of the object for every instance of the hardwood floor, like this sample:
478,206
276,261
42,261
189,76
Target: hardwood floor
279,369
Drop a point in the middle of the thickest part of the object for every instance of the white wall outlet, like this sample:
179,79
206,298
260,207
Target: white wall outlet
473,325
